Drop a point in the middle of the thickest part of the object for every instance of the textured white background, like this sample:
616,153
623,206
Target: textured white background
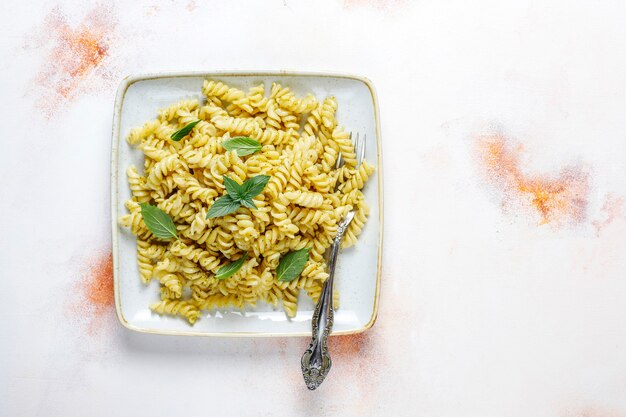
483,311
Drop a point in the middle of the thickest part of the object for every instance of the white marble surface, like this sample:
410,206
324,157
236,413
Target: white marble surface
485,311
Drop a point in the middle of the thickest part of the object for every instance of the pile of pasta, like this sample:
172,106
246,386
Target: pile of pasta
300,206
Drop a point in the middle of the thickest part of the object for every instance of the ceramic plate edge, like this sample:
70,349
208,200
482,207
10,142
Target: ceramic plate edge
115,139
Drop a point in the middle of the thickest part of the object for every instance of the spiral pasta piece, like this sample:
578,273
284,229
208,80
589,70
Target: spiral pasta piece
288,100
205,259
162,169
144,261
356,226
176,110
281,219
358,180
193,189
175,307
135,222
342,139
327,113
305,198
237,125
272,136
137,184
257,99
224,92
289,298
173,283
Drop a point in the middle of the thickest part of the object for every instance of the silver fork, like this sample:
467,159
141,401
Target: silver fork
316,359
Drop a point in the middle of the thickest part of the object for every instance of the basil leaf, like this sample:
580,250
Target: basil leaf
292,264
233,188
223,206
253,186
181,133
243,145
228,270
249,203
159,223
237,195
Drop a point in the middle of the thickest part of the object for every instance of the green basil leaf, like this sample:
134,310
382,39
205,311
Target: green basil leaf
159,223
292,264
181,133
243,145
228,270
233,188
223,206
249,203
253,186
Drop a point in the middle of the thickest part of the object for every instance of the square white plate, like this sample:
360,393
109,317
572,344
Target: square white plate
358,270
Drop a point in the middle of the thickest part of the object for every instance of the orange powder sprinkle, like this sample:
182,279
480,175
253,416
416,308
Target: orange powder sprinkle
359,362
77,54
92,303
612,208
556,200
97,285
348,346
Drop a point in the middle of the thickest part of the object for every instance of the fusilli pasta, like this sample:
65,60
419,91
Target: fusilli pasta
300,207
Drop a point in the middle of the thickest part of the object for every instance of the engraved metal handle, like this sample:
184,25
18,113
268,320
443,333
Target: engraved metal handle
316,360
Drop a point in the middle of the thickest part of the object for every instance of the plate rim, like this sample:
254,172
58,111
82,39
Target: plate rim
129,80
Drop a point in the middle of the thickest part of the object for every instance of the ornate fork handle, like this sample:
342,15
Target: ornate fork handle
316,360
